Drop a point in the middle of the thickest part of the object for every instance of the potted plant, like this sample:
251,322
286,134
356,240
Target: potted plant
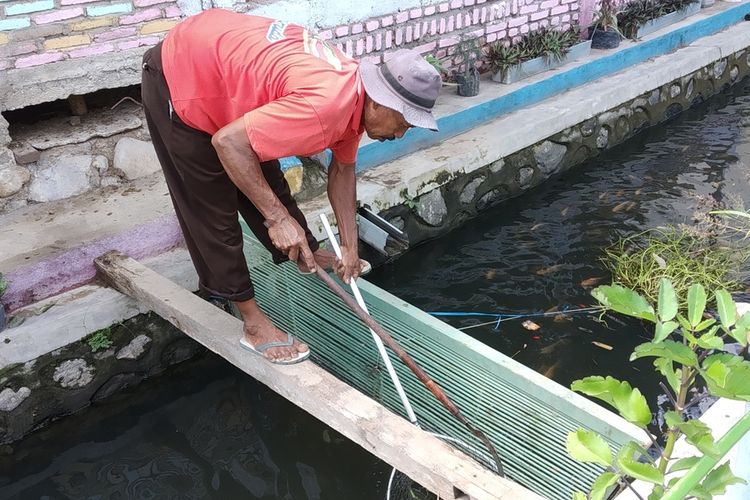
640,18
604,33
538,51
469,54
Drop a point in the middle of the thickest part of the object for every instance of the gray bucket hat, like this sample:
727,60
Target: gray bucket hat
406,83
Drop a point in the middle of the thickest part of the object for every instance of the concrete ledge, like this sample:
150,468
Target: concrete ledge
28,86
48,248
460,114
55,322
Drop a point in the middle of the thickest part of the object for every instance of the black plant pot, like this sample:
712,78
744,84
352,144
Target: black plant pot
601,39
468,84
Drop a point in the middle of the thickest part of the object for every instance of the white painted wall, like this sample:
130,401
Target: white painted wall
329,13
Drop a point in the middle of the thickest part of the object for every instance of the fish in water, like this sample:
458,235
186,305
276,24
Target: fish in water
537,226
530,325
490,274
625,206
550,371
602,345
564,211
560,318
592,282
550,349
544,271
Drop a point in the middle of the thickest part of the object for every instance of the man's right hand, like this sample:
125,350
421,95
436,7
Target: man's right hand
288,236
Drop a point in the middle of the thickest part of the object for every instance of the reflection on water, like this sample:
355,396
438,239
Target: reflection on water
209,431
205,431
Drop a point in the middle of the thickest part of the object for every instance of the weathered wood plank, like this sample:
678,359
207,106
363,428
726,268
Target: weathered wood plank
432,463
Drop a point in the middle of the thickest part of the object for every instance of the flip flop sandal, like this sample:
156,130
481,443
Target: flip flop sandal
261,349
364,268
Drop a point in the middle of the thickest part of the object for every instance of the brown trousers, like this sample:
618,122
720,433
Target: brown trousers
206,200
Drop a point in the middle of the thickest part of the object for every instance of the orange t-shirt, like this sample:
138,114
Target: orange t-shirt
298,94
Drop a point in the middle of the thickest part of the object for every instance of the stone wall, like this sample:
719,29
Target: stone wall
64,381
64,157
438,211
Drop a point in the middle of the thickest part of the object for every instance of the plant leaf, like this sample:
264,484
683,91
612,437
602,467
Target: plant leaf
699,435
740,330
709,340
668,349
630,466
673,376
667,301
727,376
663,330
577,495
624,301
683,464
588,446
705,324
656,493
727,309
602,485
717,480
629,402
696,304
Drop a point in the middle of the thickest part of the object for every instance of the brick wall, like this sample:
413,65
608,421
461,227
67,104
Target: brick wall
38,32
437,28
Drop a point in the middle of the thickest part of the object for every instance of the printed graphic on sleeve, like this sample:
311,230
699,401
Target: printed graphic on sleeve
276,31
320,49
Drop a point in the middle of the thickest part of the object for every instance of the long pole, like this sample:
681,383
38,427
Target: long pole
410,363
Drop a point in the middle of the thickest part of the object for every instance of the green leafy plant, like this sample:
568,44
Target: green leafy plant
3,285
638,12
100,340
683,255
688,349
435,63
468,55
606,16
549,43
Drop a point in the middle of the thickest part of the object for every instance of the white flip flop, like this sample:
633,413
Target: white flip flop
261,349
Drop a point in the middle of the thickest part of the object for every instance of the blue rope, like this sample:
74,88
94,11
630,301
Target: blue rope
500,317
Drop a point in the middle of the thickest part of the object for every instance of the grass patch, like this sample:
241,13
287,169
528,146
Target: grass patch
680,254
100,340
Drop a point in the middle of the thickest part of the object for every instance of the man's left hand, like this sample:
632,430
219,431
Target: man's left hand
348,267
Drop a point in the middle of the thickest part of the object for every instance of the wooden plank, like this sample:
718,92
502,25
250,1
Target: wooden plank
430,462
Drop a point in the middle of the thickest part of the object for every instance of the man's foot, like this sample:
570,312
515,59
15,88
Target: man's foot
260,330
325,259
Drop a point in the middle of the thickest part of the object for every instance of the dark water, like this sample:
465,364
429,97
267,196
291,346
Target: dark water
208,431
533,254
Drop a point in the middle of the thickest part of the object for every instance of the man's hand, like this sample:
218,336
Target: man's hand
288,236
348,267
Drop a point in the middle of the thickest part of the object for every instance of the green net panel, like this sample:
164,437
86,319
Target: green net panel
526,415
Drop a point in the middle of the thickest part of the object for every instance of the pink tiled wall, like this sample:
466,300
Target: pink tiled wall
38,32
438,28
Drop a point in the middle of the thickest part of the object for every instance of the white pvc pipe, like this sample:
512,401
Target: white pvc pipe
378,342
